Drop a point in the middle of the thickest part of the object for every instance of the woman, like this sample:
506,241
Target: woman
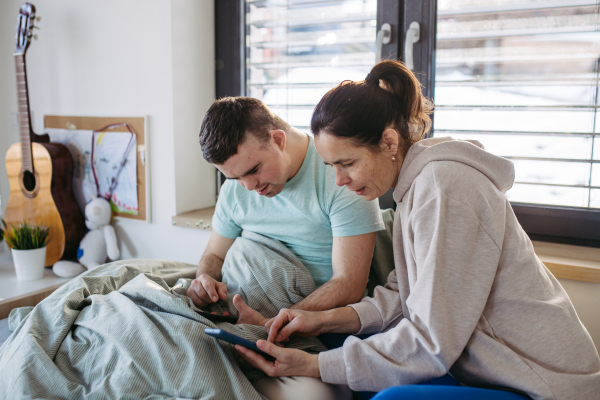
468,295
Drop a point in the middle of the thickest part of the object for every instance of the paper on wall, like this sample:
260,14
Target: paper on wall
108,155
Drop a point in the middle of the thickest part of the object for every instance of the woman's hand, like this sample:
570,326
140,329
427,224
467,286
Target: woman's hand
311,323
298,322
289,362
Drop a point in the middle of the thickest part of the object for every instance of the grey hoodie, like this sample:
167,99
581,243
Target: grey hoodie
468,295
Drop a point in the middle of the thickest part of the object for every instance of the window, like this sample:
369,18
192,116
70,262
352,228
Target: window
520,76
297,50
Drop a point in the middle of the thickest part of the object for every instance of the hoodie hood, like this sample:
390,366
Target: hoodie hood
497,169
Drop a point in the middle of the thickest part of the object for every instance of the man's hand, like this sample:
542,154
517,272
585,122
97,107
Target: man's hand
205,290
301,323
247,315
289,362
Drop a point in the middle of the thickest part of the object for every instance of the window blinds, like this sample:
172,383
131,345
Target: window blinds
296,50
522,78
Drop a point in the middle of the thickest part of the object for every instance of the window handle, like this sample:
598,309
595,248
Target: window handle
413,35
384,36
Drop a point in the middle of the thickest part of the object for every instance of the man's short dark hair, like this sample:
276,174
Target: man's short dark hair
228,122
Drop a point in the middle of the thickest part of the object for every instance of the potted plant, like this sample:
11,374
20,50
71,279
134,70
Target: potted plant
28,246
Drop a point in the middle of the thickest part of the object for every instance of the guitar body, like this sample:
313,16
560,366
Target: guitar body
51,202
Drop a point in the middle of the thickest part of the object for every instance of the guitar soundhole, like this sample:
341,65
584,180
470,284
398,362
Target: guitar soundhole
28,181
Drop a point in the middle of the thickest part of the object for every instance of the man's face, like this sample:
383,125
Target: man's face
258,166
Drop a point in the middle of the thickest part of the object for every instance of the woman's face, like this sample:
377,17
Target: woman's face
367,172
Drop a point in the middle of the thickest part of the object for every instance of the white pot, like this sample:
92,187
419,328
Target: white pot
29,264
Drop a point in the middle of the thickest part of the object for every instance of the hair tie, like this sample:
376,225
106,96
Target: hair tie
369,78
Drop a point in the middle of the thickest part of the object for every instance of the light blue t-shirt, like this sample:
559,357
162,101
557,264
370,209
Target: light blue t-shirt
310,210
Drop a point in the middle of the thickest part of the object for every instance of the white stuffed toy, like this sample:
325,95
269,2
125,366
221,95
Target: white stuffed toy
98,244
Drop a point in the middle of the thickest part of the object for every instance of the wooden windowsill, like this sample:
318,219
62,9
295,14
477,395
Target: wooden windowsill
564,261
197,219
570,262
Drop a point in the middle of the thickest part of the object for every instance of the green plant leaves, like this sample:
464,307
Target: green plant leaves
26,237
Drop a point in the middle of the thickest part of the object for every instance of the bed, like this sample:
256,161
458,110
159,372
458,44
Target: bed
127,329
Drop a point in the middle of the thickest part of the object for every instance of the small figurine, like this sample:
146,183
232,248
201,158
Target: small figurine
98,244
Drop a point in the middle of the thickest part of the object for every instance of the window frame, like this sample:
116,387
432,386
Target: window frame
230,54
229,48
541,222
545,223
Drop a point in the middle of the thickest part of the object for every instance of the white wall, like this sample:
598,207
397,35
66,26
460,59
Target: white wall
125,58
193,85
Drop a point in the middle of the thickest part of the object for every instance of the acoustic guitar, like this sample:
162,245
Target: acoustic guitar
40,173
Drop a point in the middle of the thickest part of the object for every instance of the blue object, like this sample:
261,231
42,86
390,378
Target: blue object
234,339
433,391
446,381
79,253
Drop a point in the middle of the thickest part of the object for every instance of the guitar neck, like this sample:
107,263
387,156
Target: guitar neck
25,131
26,134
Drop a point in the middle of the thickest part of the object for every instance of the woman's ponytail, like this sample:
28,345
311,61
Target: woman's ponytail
390,95
406,88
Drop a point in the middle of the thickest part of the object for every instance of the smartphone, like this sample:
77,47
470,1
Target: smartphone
234,339
217,318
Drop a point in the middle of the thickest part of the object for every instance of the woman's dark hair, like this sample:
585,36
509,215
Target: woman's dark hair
229,121
390,95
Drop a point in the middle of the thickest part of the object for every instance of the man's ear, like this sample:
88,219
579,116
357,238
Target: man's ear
390,141
279,138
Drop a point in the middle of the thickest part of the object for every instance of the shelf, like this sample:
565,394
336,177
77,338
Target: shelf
197,219
15,293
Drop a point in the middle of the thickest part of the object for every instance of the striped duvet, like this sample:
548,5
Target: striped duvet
126,330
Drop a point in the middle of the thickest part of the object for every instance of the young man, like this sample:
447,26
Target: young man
279,187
